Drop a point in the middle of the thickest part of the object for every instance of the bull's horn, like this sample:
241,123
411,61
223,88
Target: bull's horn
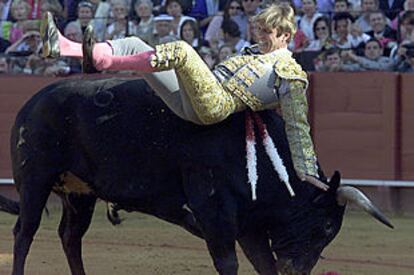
346,194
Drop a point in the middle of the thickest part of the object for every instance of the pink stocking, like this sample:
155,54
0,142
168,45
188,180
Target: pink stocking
69,48
138,62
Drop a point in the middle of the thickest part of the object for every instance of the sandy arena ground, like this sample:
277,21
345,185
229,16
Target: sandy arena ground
144,245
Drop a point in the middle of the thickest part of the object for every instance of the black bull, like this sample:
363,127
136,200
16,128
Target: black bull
114,140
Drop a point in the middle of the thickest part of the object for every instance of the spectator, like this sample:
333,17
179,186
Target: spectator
405,59
367,6
54,7
20,10
145,24
341,6
322,34
175,9
224,52
121,27
381,31
308,18
190,32
5,14
4,65
204,11
408,6
232,36
343,38
73,32
35,9
407,27
373,59
391,7
250,8
332,62
85,15
163,29
323,6
208,55
29,43
214,32
299,42
100,20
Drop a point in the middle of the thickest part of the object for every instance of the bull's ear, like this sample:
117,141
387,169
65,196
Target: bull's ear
335,181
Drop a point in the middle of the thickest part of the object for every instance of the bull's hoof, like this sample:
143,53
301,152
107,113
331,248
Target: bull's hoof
50,37
87,48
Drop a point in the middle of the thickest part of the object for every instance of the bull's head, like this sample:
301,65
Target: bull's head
312,227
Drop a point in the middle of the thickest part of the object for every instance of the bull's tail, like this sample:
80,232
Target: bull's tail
9,206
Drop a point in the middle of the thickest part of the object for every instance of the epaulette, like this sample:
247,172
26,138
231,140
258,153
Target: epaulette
287,67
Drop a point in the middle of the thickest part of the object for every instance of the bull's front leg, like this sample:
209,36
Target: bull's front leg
256,247
215,211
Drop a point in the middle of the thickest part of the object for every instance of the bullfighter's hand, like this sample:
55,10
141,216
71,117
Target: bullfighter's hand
314,181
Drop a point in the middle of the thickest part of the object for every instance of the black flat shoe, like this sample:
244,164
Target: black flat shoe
87,47
50,37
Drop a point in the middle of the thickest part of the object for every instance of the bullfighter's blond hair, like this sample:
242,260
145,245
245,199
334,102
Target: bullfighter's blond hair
279,16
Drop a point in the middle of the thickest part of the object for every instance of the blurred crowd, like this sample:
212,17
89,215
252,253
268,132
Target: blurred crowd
332,35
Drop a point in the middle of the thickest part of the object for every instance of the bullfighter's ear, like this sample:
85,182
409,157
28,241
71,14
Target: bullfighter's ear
335,181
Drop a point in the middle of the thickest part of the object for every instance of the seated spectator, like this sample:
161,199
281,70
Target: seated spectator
323,6
214,33
54,7
84,15
29,43
408,7
367,6
342,6
175,9
145,19
190,32
249,8
331,61
299,42
391,8
208,55
100,18
20,10
322,34
121,27
308,18
4,65
5,14
232,36
343,37
373,59
405,59
204,11
381,31
224,52
163,29
407,27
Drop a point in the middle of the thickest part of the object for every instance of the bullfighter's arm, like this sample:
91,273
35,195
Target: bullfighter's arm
294,110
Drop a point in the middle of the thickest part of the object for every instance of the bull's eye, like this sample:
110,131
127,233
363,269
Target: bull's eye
328,228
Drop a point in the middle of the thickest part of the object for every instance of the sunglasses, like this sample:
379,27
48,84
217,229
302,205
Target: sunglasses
249,0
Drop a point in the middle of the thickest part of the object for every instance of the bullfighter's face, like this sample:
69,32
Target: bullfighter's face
298,246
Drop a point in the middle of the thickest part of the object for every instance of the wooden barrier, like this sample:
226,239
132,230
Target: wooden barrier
407,126
355,119
14,91
354,123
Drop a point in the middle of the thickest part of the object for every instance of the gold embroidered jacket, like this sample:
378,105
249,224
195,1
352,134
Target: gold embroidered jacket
259,81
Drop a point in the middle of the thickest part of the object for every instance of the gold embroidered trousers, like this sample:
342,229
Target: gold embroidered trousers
211,102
